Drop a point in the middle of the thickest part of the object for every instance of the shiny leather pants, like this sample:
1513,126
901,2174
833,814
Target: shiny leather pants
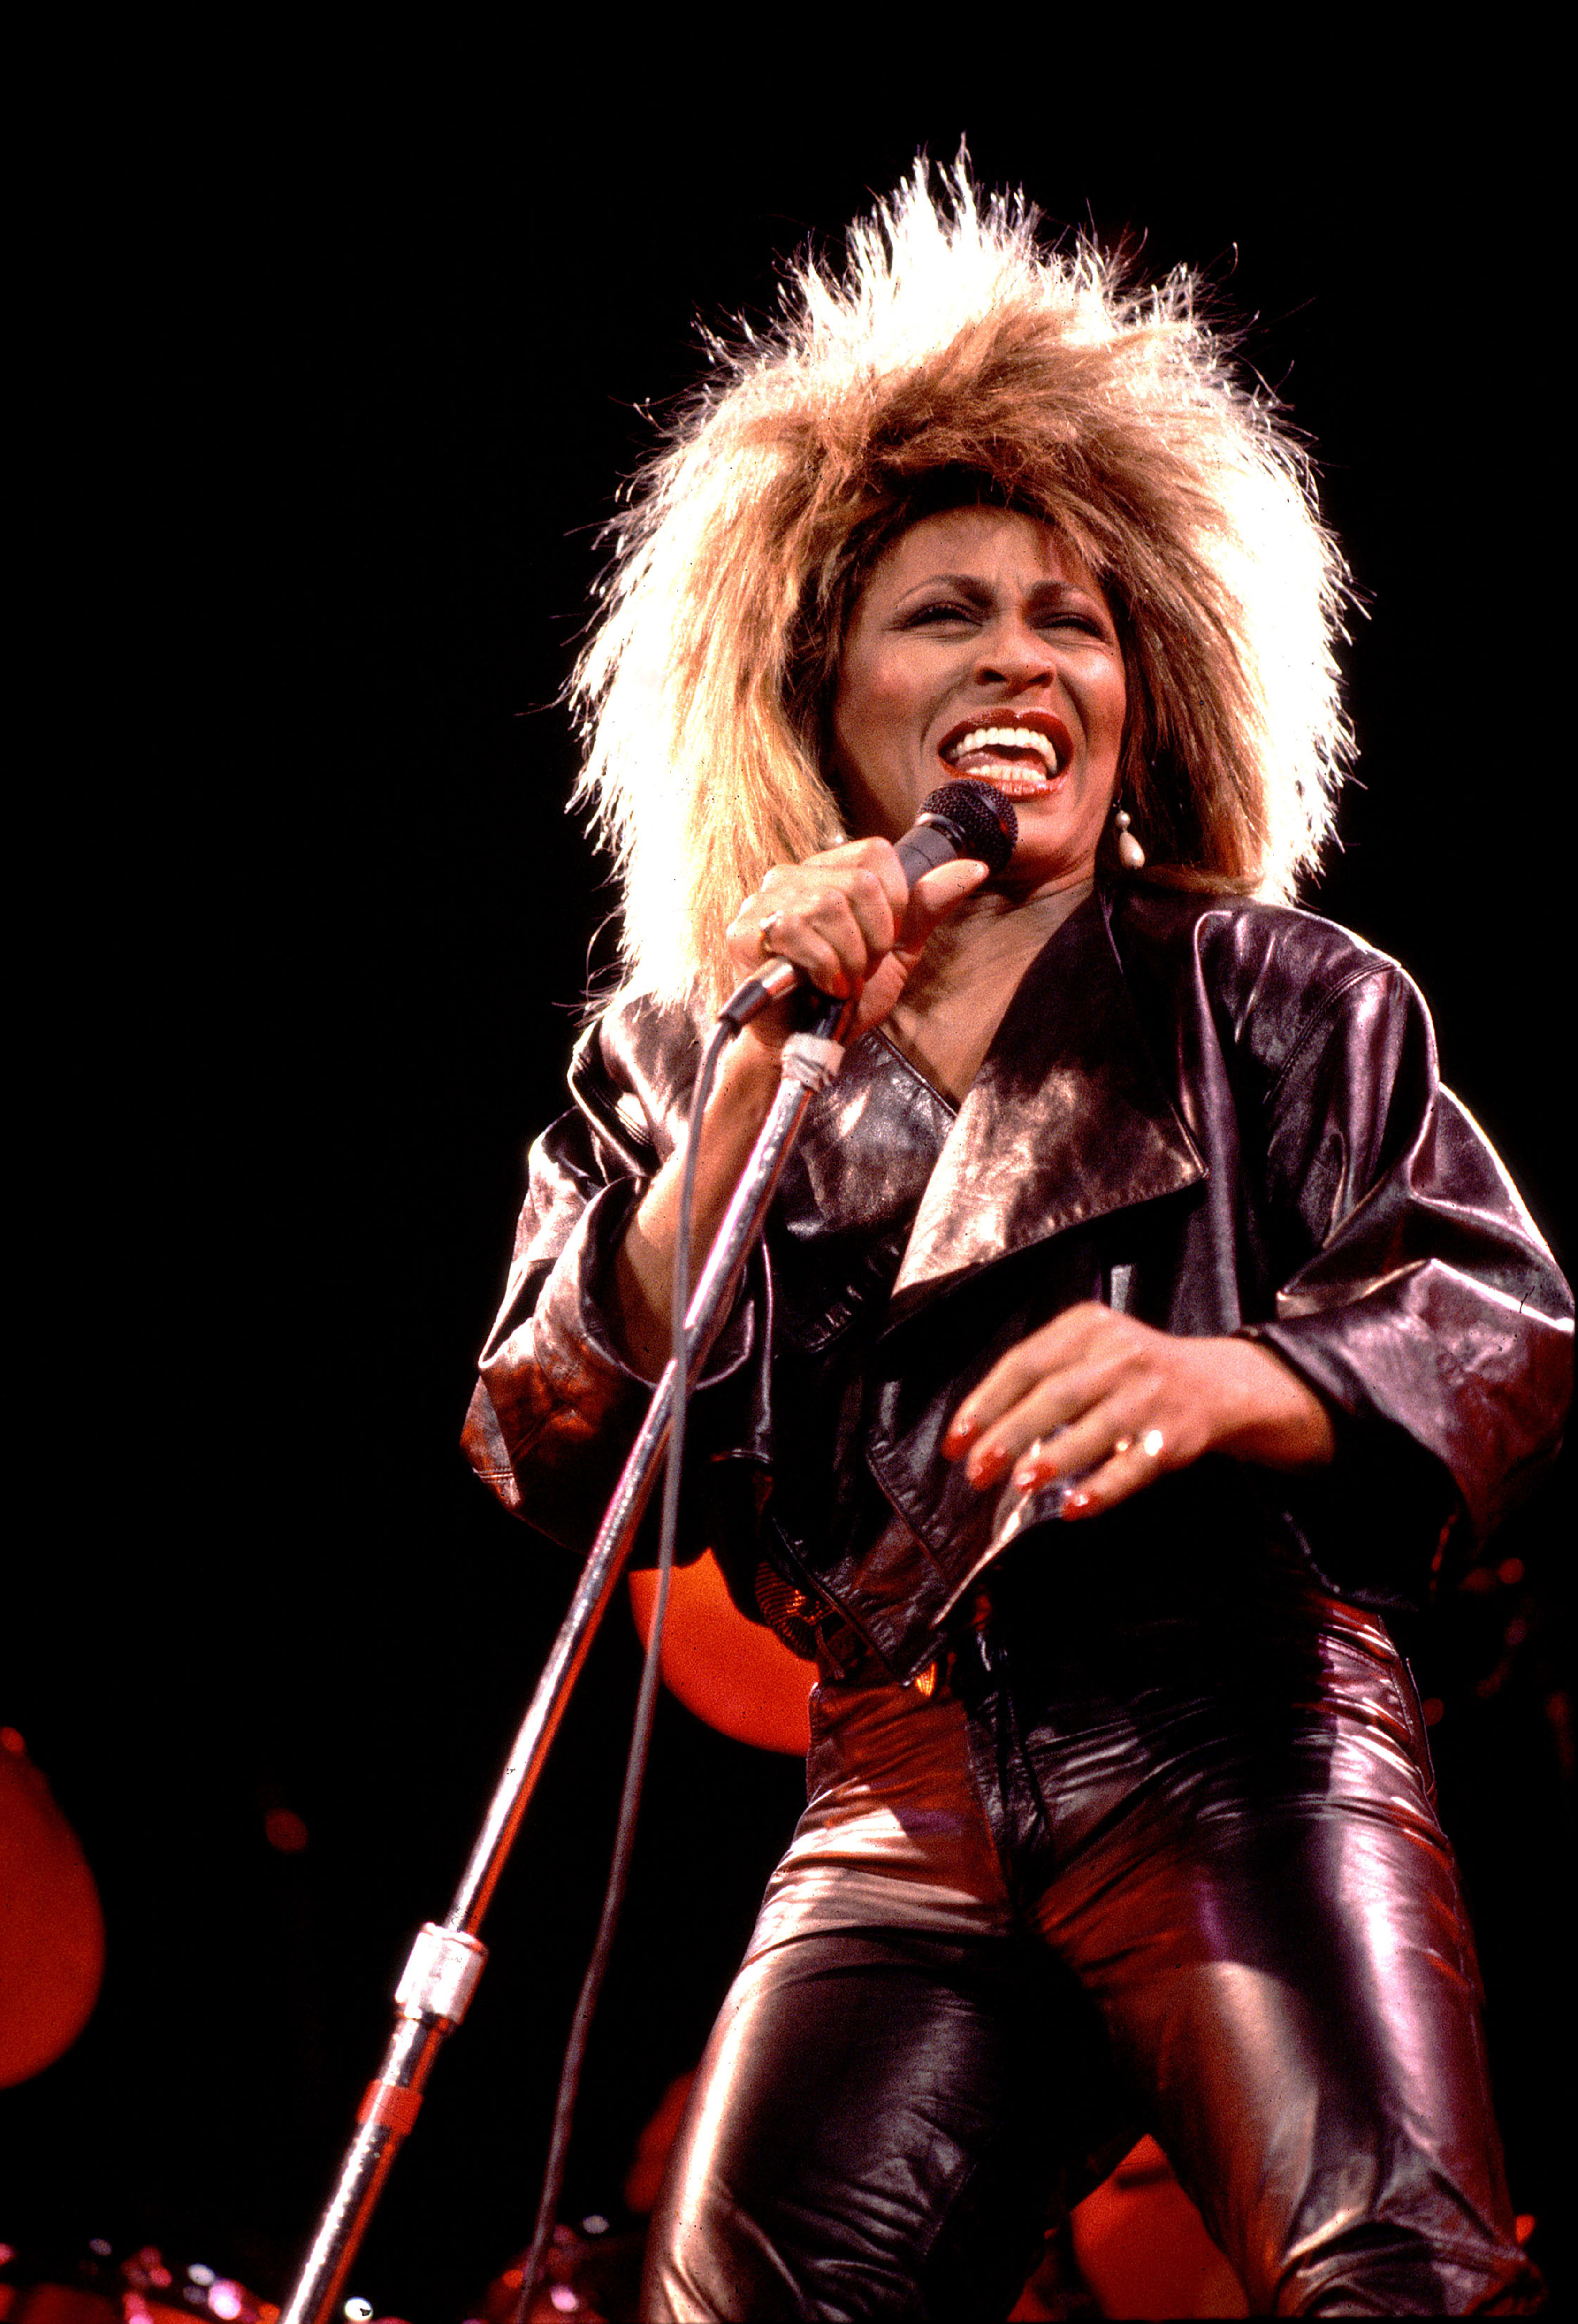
1181,1875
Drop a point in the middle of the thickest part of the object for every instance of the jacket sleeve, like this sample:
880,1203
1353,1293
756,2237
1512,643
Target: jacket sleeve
1417,1295
556,1407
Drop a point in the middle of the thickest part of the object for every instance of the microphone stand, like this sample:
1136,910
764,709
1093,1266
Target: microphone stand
447,1958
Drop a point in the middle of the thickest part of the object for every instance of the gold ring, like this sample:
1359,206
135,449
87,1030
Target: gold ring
764,928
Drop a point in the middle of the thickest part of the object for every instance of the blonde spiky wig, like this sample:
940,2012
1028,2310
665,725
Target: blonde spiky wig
957,359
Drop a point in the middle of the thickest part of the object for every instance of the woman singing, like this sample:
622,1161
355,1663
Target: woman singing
1138,1322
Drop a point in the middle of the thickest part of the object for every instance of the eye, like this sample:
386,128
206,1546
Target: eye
1073,617
939,610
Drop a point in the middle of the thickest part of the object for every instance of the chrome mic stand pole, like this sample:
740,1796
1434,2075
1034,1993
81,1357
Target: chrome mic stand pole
447,1960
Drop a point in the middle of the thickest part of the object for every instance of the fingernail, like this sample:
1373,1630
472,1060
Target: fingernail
960,1432
986,1464
1077,1504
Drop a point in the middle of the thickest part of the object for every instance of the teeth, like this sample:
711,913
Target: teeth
1017,738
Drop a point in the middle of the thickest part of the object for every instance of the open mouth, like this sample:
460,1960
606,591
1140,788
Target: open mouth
1021,755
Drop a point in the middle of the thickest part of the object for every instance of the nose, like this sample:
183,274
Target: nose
1013,653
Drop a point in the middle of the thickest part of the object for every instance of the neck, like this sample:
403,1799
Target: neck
989,931
961,986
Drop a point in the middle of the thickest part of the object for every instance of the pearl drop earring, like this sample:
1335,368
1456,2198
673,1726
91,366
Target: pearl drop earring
1131,854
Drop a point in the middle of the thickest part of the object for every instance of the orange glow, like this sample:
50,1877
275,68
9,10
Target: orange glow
644,2179
51,1932
731,1672
1142,2246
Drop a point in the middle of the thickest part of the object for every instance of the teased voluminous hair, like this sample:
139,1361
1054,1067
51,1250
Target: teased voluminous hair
957,358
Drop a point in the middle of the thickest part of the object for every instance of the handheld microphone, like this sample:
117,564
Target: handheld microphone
962,818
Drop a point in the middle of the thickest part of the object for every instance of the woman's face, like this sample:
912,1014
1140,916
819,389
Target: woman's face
981,647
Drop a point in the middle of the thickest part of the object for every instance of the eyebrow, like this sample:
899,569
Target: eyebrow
982,592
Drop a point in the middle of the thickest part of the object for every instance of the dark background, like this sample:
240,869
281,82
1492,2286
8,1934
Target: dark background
332,386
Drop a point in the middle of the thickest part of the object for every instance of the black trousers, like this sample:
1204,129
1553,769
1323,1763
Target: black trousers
1178,1874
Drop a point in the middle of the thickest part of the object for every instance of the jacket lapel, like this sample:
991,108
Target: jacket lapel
1068,1119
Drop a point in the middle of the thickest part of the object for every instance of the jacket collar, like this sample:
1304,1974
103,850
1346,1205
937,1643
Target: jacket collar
1068,1119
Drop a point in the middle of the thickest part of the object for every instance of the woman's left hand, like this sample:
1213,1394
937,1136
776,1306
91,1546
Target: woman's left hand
1100,1396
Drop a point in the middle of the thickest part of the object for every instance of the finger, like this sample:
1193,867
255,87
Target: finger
1070,1340
822,934
878,915
1075,1416
750,933
1080,1452
839,903
879,859
937,895
1133,1464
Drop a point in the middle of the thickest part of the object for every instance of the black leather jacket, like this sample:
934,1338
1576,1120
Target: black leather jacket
1221,1117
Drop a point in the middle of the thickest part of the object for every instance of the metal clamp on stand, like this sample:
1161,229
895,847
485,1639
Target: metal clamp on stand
440,1976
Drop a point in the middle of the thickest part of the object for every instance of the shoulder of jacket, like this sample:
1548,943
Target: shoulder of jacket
1277,983
1240,942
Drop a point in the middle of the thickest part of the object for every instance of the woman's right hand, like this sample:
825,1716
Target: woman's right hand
850,919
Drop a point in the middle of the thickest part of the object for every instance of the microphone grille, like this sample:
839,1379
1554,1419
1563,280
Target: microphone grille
986,822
